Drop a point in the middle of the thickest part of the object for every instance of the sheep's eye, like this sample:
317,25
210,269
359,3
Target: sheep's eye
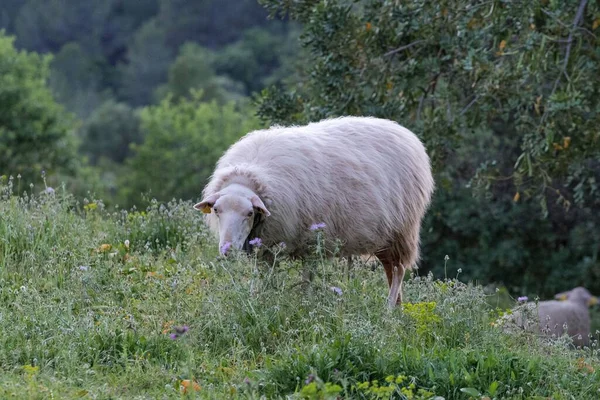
215,210
251,213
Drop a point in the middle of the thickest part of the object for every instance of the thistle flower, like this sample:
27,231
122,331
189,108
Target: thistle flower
225,247
179,331
315,227
522,299
336,290
256,242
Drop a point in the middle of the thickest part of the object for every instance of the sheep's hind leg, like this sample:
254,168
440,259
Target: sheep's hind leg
395,296
394,272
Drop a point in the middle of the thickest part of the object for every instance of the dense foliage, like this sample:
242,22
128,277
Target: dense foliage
182,142
113,58
451,69
35,131
505,95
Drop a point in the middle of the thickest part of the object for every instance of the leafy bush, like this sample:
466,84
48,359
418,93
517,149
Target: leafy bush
451,69
194,69
35,132
182,142
484,90
109,132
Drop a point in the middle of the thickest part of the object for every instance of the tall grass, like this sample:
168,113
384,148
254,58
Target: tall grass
92,305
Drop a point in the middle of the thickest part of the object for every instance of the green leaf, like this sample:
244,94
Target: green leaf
471,391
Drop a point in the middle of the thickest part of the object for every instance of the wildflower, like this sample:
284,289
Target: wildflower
187,385
282,245
257,242
522,299
83,267
127,244
247,381
336,290
179,331
182,330
315,227
310,378
49,190
104,247
225,247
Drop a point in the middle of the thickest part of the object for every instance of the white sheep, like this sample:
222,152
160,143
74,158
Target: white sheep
368,180
570,308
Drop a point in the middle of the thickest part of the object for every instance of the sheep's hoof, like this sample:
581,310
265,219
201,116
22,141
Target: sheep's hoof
393,303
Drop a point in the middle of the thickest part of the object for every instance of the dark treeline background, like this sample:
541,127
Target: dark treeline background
129,100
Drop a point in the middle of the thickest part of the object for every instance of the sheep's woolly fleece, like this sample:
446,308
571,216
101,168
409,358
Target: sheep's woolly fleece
368,180
549,317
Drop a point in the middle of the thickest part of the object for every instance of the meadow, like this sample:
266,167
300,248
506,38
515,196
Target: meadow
137,304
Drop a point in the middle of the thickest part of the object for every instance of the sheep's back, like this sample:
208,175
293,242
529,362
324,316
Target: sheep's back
367,179
554,314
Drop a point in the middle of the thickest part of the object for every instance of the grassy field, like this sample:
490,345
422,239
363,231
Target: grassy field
137,305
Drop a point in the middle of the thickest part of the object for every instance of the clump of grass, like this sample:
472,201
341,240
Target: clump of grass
94,303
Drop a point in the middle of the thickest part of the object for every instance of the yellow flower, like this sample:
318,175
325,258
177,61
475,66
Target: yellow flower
104,248
30,370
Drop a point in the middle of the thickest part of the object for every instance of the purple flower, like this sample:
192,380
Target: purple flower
182,330
282,245
247,381
179,331
315,227
225,247
309,379
257,242
336,290
83,267
522,299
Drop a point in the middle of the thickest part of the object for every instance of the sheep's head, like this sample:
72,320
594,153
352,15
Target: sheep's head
579,294
236,208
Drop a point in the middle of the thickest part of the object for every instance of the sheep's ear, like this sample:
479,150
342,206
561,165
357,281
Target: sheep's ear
257,203
593,301
206,205
561,296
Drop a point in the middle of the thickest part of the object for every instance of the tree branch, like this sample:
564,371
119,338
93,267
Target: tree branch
405,47
576,21
464,110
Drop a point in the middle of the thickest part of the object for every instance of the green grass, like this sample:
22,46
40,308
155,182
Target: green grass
83,320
